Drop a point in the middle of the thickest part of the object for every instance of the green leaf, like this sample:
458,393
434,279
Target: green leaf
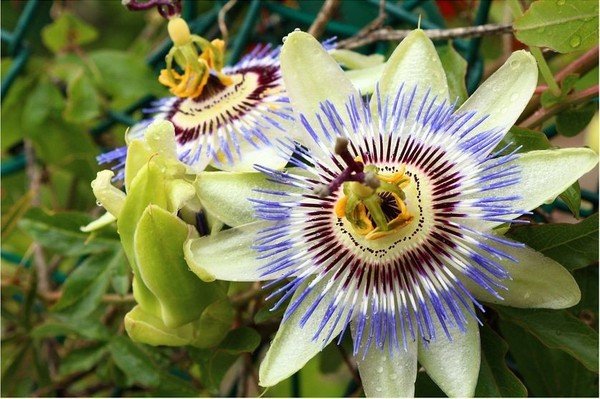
44,100
330,359
60,232
83,359
587,309
547,372
12,111
572,197
213,365
66,31
85,286
573,120
572,245
526,139
172,386
426,388
16,211
240,340
83,102
68,240
134,361
456,69
120,280
214,323
495,379
266,314
562,25
123,76
11,364
557,330
87,328
67,146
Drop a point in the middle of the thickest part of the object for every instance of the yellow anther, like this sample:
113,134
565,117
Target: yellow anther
179,31
396,178
340,207
364,225
190,84
196,67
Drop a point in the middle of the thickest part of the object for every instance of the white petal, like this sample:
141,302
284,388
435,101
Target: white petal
536,282
179,193
387,375
226,194
265,155
111,198
226,255
453,365
353,60
160,136
504,95
311,77
543,176
366,79
416,64
293,345
99,223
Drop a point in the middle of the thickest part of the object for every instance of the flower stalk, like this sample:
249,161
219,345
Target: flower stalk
537,54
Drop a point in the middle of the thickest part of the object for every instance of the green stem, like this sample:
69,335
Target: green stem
545,71
537,54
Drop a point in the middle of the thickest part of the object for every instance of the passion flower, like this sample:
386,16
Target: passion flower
387,222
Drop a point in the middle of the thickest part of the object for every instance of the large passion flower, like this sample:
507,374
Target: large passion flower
227,115
387,226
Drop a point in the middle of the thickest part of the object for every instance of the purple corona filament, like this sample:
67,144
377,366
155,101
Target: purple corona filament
399,287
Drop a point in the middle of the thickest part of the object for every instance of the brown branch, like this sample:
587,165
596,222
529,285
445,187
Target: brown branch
243,297
35,181
580,66
325,14
543,114
433,34
222,25
350,366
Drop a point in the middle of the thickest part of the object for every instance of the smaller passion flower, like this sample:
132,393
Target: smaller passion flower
386,224
227,115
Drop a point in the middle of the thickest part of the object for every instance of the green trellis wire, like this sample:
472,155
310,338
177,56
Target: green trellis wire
402,13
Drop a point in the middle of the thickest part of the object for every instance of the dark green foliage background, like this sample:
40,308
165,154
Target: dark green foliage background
90,66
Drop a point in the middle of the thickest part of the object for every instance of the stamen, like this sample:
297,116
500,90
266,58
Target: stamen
366,193
196,67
